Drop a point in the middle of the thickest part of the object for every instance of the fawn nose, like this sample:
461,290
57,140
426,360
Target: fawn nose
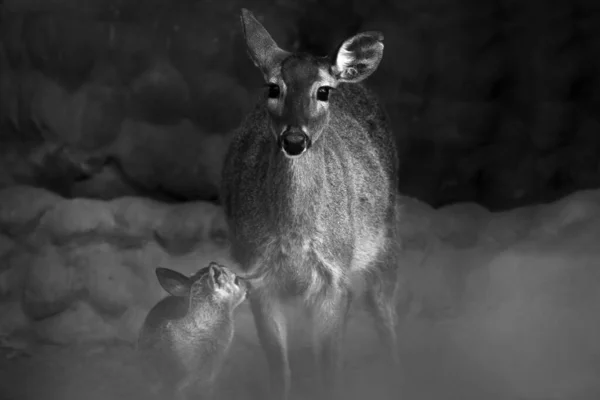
294,142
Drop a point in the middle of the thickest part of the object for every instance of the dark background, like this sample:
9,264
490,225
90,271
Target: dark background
494,102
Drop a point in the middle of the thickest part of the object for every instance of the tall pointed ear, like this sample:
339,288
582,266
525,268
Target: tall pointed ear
263,50
214,275
358,57
175,283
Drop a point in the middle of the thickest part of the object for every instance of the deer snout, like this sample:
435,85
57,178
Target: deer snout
242,283
294,142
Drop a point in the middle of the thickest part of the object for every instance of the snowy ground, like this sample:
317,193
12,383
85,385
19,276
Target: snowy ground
451,360
496,306
436,368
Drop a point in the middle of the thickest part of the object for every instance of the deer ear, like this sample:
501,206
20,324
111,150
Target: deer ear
358,57
263,50
214,275
175,283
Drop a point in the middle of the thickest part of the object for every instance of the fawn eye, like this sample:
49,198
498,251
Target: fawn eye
323,93
274,91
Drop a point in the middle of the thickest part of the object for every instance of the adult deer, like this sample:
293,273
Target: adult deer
309,189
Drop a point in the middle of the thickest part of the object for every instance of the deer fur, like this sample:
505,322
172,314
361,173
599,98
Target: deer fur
186,336
305,226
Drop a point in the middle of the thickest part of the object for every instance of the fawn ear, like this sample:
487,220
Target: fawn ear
358,57
263,50
175,283
214,275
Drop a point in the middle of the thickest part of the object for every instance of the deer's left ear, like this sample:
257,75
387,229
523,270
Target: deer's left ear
358,57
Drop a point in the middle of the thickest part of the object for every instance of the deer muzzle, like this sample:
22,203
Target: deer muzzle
294,142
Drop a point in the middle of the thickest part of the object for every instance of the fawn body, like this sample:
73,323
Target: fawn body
309,190
186,335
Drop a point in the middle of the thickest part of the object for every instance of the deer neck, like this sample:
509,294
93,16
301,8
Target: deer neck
296,186
206,313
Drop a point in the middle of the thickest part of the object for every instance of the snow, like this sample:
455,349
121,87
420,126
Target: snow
495,306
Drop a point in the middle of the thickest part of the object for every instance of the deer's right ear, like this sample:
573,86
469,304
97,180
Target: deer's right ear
214,275
263,50
175,283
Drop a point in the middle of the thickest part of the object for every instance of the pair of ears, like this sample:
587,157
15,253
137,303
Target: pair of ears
177,284
356,58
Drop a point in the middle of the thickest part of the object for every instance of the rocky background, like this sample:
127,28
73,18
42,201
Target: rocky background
493,101
83,270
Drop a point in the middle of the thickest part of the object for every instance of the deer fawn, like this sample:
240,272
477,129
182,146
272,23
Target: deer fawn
186,336
309,189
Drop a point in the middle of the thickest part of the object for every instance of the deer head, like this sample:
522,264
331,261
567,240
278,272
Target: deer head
214,281
299,85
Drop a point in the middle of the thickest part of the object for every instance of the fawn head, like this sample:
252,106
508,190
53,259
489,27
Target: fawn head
299,85
214,282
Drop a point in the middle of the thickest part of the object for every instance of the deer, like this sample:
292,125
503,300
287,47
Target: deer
186,336
309,188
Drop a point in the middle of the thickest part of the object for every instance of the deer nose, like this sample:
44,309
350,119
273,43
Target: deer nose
294,142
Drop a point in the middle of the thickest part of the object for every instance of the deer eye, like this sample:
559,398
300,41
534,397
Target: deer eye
274,91
323,93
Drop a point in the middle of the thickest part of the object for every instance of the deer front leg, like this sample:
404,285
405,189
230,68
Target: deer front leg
381,301
329,325
194,388
272,332
182,388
